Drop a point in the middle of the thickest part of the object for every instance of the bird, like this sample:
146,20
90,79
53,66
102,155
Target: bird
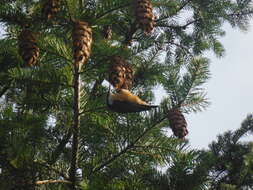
123,101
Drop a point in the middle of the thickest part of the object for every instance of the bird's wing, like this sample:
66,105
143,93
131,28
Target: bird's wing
128,107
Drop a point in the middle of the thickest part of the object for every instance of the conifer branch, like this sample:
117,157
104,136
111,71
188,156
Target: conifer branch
155,147
68,12
95,87
81,4
178,10
129,35
111,10
56,54
40,82
184,5
246,127
46,165
58,150
123,151
3,91
182,47
12,19
194,77
146,153
93,110
179,26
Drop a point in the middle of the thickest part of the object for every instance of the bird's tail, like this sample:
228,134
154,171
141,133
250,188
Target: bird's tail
152,106
140,107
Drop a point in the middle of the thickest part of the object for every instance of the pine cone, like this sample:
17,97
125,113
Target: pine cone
128,77
28,48
117,72
107,32
50,8
82,40
144,15
177,123
121,73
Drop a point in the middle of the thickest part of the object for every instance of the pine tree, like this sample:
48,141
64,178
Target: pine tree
55,128
232,167
225,165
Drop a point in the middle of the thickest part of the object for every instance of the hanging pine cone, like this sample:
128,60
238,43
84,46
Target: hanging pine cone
117,72
128,77
121,73
28,48
50,8
107,32
144,15
82,39
177,123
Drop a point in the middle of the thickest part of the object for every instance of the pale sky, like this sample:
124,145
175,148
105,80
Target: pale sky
230,90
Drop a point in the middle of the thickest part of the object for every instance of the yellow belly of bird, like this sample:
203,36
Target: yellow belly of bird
125,95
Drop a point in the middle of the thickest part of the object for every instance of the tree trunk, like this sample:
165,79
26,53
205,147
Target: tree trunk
76,127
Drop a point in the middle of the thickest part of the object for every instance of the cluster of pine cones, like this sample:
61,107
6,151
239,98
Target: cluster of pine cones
27,42
82,35
120,72
121,76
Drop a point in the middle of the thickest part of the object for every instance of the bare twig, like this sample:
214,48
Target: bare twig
51,181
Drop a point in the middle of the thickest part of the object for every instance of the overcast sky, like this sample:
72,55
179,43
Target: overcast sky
230,90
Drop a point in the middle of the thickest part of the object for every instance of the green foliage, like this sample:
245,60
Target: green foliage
116,151
183,83
232,168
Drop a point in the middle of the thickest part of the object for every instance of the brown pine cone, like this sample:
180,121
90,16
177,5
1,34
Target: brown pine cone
50,8
82,40
120,73
144,15
28,48
177,123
